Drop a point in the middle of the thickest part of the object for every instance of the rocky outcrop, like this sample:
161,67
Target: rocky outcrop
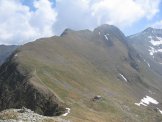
26,115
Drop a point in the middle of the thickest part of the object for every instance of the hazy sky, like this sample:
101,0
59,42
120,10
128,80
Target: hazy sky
22,21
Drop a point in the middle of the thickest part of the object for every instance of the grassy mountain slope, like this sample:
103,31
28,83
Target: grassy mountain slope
74,68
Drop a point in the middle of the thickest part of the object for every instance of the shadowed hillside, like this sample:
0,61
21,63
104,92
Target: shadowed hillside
5,51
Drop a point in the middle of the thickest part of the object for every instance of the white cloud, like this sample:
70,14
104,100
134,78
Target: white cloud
117,12
157,24
19,25
73,14
90,13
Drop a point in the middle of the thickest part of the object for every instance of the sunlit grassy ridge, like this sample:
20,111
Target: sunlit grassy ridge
80,65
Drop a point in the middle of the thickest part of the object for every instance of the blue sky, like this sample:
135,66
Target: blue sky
22,21
30,3
145,23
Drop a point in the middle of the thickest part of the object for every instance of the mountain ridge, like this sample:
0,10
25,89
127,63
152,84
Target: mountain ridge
5,51
149,43
74,69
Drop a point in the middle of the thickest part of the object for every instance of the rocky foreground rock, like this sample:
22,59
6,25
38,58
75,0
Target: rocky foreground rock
26,115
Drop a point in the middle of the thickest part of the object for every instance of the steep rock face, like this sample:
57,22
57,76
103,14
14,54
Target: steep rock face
76,67
149,44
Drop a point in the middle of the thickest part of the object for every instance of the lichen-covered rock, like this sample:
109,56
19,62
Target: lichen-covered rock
26,115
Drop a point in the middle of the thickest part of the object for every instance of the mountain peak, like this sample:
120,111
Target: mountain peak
152,30
66,31
149,29
110,30
105,27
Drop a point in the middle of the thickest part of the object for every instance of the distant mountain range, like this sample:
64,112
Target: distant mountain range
87,76
149,44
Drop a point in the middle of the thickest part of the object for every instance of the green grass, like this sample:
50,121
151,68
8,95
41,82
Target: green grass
76,69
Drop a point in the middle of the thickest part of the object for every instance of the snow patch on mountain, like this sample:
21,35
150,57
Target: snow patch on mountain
152,50
123,77
155,42
159,110
146,101
148,64
106,37
68,111
16,55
